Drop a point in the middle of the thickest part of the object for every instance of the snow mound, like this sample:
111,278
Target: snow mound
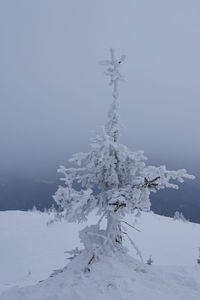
30,251
118,277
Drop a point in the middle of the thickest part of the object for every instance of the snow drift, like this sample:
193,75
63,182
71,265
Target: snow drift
30,251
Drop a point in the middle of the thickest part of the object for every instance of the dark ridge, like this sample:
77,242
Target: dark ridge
23,194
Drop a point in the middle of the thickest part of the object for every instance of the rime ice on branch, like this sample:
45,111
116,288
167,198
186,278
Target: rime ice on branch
112,126
121,177
113,71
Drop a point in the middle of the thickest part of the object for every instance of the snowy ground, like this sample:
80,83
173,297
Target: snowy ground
30,251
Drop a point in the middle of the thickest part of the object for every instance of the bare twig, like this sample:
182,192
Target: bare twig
131,226
91,259
135,247
150,183
101,218
118,205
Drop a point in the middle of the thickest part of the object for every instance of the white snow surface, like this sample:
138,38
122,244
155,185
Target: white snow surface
30,251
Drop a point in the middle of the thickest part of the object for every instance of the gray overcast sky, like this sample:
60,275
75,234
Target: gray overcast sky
54,96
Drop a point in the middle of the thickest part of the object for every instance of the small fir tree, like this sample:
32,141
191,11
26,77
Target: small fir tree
114,180
179,216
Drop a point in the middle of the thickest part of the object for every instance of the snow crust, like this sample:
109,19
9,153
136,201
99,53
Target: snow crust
30,251
115,277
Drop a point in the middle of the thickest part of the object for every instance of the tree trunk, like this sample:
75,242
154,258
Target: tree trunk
113,230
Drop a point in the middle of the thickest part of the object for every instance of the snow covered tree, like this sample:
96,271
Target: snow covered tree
114,180
179,216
